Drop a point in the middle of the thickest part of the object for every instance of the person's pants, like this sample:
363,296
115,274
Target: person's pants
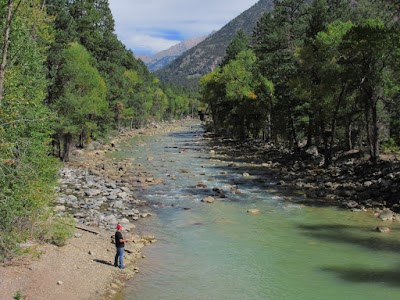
120,255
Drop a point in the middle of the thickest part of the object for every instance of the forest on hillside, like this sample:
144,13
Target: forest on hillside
321,73
65,80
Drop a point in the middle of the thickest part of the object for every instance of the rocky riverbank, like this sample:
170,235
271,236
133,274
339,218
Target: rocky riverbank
99,192
352,182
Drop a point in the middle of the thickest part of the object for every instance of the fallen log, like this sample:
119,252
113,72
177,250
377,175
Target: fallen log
86,229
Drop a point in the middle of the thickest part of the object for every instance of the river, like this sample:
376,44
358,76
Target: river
219,251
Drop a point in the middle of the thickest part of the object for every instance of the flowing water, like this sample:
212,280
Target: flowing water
219,251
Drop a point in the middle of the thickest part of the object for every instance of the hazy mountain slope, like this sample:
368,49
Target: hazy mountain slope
203,58
158,61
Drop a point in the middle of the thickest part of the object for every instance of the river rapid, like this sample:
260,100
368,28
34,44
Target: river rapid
219,251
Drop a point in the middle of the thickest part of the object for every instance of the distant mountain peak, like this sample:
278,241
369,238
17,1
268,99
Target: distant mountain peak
161,59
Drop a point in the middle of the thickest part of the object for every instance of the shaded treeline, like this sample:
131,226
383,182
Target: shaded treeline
319,73
65,79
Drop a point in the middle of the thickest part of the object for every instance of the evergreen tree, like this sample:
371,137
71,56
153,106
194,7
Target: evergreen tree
276,38
239,43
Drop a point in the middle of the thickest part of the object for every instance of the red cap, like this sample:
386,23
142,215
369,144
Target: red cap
119,226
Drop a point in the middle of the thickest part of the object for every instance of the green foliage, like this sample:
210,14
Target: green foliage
84,94
66,72
390,146
238,96
58,231
329,72
18,295
239,43
27,173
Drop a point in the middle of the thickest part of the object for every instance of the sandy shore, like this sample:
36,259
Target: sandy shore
83,269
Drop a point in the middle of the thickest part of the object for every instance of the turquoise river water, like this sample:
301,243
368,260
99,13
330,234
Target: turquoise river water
219,251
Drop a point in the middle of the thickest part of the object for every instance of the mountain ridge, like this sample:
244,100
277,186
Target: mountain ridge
161,59
188,68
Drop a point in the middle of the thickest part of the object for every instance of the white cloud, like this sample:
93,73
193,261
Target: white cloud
144,43
155,25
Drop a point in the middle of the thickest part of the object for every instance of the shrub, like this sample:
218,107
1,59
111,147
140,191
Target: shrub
390,146
18,296
59,230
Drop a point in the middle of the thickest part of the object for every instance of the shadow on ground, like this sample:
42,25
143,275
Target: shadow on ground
104,262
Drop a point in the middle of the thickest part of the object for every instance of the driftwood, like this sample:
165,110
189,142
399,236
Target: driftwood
86,229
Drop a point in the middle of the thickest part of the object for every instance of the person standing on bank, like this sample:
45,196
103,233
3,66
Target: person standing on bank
120,244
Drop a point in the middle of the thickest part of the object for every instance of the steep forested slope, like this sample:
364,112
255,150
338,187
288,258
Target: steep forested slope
203,58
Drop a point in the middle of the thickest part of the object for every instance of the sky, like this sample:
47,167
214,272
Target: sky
150,26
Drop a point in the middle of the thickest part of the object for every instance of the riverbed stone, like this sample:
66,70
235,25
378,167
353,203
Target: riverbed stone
124,221
386,215
208,199
92,192
123,195
254,211
112,197
118,204
351,204
59,208
145,215
382,229
110,219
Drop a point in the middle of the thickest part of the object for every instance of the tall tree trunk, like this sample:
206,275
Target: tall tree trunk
67,146
350,145
294,143
310,130
268,122
82,136
373,132
5,48
214,118
329,148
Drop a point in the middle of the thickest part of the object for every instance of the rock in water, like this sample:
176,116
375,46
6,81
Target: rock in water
254,211
386,215
382,229
208,200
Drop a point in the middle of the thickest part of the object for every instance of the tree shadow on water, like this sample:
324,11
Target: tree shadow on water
363,237
366,275
355,235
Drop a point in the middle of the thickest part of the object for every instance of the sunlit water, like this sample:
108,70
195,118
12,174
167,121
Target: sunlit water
219,251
